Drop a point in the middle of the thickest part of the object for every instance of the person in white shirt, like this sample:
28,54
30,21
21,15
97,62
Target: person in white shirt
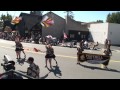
86,44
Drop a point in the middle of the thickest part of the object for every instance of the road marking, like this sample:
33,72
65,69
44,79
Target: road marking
56,55
114,60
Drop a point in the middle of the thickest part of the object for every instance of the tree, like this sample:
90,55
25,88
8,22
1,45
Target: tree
6,17
113,18
70,14
108,17
100,21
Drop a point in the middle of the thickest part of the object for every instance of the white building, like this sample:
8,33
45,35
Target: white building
101,31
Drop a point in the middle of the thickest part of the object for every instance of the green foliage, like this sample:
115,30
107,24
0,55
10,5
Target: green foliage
6,17
113,18
100,21
70,14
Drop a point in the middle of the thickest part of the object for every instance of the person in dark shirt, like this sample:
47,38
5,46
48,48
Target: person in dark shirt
108,53
19,48
105,43
80,50
109,44
49,55
33,70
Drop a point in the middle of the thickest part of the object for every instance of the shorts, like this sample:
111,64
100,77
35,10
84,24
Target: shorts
19,49
50,56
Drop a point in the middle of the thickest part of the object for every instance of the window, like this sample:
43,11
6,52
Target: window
83,36
71,35
78,33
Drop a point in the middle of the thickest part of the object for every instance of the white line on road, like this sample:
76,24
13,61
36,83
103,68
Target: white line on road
56,55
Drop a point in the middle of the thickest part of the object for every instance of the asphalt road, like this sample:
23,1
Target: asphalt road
66,57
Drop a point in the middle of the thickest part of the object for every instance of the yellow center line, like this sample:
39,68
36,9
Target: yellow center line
56,55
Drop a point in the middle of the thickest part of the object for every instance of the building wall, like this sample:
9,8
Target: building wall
74,25
114,33
99,32
75,30
55,30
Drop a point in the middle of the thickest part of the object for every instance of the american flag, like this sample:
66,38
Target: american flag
65,35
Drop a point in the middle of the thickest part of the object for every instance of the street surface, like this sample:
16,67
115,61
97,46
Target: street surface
66,57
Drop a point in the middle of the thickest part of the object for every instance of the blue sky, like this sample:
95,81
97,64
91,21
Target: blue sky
83,16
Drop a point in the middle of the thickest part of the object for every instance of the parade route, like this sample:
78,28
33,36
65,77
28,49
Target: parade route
67,67
64,56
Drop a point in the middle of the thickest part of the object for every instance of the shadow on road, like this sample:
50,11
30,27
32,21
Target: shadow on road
56,71
22,71
21,61
45,76
98,68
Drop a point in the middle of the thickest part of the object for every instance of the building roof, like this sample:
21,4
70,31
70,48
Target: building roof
78,22
87,23
52,14
30,20
75,25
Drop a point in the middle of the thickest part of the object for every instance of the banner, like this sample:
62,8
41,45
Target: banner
16,20
47,21
93,58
